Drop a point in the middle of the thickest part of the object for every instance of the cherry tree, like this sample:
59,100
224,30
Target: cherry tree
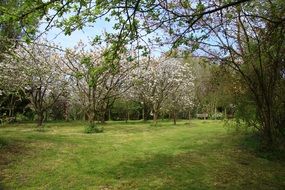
36,70
96,81
159,79
181,97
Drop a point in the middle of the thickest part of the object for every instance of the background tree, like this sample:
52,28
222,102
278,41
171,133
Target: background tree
41,79
97,82
182,96
250,41
156,80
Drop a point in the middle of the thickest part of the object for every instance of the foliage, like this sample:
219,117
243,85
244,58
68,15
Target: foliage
218,115
132,21
21,118
124,109
12,30
93,128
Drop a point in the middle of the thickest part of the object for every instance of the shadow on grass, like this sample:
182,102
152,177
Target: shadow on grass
252,143
183,171
201,169
10,150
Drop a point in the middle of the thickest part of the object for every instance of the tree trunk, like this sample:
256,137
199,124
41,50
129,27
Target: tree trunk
11,106
143,118
66,111
103,121
127,116
268,135
103,118
10,114
46,116
174,117
155,115
109,115
40,119
268,126
189,116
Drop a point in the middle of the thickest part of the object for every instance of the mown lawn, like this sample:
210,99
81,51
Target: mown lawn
204,155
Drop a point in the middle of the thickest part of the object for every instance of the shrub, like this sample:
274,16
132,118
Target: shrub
218,115
21,117
93,128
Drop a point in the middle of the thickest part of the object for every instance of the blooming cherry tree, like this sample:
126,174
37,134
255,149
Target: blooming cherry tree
97,83
35,69
157,80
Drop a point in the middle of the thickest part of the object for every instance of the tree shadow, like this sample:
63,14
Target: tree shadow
161,171
10,150
252,143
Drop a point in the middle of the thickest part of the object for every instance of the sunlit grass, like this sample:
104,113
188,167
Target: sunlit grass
133,155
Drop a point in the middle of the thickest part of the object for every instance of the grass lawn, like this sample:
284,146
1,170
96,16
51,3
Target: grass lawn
204,155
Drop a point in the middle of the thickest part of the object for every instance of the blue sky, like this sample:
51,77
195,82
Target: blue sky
55,35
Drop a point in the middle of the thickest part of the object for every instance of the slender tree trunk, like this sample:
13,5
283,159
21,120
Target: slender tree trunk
174,117
46,116
155,115
11,106
109,115
268,126
127,117
143,114
268,132
189,116
215,112
103,121
10,112
65,112
93,100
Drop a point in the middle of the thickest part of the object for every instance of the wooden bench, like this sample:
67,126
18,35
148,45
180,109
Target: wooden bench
202,115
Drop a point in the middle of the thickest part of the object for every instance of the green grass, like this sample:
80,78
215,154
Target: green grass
204,155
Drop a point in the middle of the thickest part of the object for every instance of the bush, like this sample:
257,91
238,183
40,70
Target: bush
238,126
218,115
21,117
93,128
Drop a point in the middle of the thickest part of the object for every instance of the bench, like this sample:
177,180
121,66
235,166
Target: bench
202,115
